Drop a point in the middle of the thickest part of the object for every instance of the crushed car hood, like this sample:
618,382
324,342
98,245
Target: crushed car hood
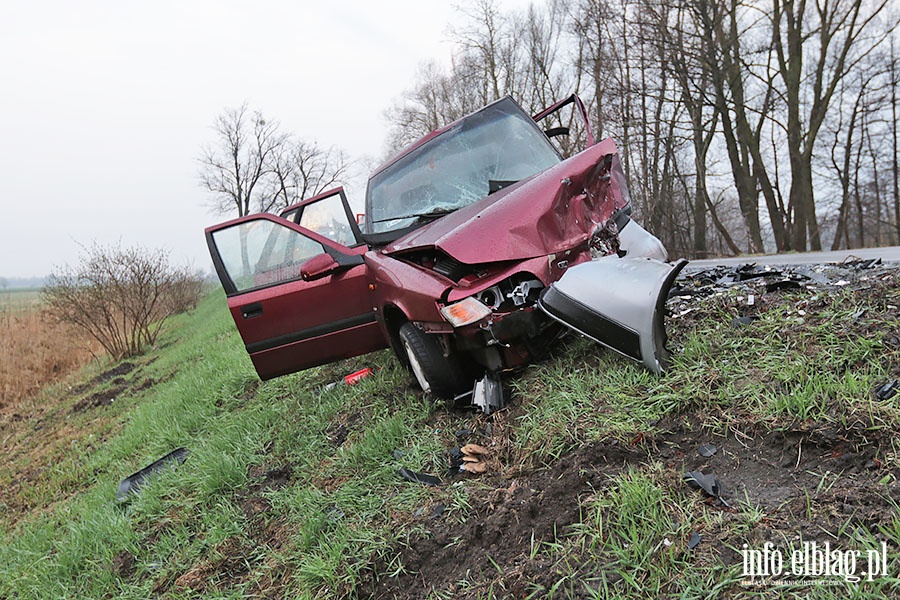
550,212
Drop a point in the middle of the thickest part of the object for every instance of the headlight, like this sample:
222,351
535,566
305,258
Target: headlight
465,312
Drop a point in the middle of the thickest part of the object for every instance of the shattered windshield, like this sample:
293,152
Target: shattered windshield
491,148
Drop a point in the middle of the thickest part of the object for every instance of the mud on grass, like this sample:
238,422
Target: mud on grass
44,442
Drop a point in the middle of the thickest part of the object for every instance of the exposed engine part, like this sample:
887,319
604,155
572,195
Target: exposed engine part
520,293
605,240
491,297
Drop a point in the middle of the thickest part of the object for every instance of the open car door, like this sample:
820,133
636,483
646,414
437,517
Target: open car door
299,298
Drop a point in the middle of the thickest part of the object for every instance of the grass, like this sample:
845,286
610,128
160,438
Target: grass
292,491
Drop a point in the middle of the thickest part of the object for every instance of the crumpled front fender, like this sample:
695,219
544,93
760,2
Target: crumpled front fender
618,302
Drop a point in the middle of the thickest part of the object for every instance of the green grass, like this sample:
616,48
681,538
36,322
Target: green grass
216,527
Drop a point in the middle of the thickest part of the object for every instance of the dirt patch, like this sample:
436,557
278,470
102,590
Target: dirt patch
104,398
263,478
806,481
341,427
236,560
123,368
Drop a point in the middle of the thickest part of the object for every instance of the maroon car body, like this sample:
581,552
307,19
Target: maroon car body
450,260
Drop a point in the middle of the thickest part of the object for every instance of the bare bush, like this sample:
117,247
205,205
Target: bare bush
121,296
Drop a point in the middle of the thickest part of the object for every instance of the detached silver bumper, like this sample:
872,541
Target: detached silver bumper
618,302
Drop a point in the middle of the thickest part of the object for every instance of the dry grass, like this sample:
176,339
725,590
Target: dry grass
35,351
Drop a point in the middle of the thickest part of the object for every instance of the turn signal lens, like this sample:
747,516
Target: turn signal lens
465,312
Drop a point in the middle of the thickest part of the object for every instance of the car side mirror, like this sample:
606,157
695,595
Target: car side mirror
318,266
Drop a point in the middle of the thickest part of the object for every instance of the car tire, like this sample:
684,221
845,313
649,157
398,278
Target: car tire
442,376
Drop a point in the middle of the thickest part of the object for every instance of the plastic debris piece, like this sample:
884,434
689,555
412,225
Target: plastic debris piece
708,483
738,322
707,450
782,284
356,376
475,467
133,483
695,540
888,390
461,433
438,511
488,393
418,477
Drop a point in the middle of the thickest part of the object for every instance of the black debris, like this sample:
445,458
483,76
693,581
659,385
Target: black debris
695,540
888,390
133,483
861,265
708,483
418,477
456,458
461,433
738,322
783,284
707,450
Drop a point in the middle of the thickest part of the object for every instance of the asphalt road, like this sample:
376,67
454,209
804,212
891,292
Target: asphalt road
889,254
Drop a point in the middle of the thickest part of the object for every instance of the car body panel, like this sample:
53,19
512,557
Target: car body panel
548,213
289,324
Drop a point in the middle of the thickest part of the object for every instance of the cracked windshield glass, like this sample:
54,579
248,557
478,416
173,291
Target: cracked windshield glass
495,146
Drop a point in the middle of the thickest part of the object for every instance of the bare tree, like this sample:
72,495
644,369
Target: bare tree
234,169
832,36
301,170
121,296
253,166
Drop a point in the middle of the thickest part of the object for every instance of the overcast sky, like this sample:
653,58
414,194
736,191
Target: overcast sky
104,106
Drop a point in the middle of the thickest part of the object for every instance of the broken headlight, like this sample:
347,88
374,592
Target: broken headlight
465,312
517,291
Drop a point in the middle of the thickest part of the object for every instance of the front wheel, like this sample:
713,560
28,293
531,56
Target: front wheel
442,376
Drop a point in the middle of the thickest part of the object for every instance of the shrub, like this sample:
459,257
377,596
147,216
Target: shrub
121,296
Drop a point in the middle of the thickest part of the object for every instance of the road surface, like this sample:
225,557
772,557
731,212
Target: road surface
888,255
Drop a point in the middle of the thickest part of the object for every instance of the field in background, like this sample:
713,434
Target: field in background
34,349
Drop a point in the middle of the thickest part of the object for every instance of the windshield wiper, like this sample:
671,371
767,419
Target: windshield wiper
434,214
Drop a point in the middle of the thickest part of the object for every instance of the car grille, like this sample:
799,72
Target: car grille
450,268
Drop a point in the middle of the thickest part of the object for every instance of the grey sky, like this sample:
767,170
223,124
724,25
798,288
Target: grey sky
105,104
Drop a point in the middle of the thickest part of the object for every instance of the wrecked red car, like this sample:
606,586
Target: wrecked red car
479,245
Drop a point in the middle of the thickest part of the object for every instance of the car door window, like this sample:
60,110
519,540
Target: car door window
261,252
328,218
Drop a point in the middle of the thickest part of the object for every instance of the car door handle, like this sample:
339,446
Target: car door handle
252,310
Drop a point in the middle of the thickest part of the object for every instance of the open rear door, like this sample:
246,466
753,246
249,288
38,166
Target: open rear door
299,298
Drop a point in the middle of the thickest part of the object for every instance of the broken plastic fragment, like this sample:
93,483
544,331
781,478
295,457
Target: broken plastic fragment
707,450
782,284
695,540
354,377
888,390
133,483
488,393
741,321
708,483
418,477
